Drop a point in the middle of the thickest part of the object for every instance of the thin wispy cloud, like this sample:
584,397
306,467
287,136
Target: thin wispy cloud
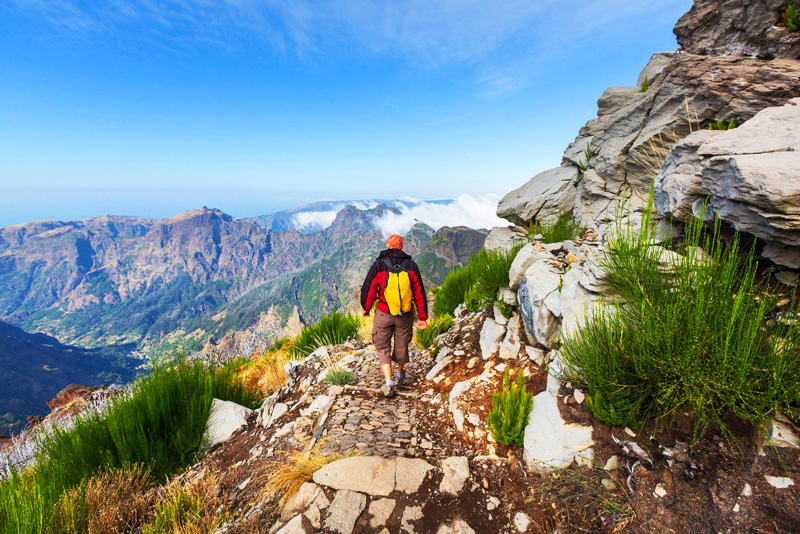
504,43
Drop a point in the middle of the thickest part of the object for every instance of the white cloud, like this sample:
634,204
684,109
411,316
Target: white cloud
473,211
313,220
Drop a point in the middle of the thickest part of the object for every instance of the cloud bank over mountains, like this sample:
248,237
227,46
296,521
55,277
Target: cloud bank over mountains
473,211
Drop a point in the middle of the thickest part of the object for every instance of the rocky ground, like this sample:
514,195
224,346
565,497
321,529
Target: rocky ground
424,461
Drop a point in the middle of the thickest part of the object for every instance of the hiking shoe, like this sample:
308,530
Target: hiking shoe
400,379
387,390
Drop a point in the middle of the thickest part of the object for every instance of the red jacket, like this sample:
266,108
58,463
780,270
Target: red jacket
374,284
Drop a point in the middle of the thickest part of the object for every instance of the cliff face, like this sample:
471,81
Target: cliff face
125,279
737,60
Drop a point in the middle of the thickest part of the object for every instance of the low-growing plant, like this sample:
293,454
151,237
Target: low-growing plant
510,409
722,125
587,158
791,17
438,325
339,377
265,372
563,228
188,506
505,309
694,334
332,329
117,500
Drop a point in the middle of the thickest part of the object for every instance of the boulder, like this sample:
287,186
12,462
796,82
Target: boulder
224,419
544,196
526,256
456,474
491,334
372,475
502,239
344,511
539,302
733,27
654,67
748,175
679,184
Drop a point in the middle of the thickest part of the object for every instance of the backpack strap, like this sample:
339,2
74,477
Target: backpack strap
402,266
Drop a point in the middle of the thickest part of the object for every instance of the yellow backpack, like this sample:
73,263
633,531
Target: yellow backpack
397,292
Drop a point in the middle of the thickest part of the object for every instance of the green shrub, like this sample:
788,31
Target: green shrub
647,83
510,410
339,377
438,325
563,228
722,125
791,17
506,309
476,284
332,329
160,425
697,335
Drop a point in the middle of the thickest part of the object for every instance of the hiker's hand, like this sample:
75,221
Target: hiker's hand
366,313
422,324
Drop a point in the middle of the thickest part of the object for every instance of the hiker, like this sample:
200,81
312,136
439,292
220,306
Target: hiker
395,284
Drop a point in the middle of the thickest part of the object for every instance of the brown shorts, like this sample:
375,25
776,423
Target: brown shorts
387,326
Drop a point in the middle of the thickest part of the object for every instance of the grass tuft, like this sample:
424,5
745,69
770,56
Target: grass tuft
285,476
440,324
563,228
332,329
475,284
791,17
722,125
339,377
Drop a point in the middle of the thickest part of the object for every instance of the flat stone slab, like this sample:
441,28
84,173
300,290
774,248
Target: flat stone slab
372,475
410,474
456,473
344,511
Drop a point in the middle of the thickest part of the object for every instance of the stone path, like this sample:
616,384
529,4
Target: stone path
362,420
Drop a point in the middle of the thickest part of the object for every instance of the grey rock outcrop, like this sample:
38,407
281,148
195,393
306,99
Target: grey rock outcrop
733,27
542,198
748,176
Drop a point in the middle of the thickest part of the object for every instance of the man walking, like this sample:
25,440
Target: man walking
395,284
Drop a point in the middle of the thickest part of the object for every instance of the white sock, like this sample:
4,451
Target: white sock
390,383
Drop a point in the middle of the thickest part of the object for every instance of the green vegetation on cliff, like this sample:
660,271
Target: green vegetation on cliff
159,425
691,332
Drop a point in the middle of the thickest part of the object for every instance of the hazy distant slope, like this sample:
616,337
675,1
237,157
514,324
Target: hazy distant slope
35,367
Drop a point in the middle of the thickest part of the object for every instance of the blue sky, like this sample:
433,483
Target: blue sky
150,107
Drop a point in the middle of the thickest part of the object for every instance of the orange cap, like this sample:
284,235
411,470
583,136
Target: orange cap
394,241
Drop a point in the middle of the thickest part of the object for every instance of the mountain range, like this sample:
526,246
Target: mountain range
118,279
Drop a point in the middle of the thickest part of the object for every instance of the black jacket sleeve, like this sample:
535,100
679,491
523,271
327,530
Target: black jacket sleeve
365,287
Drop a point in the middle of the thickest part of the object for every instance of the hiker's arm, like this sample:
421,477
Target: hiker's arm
418,290
368,292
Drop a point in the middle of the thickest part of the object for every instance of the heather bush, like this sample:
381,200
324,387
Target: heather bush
510,409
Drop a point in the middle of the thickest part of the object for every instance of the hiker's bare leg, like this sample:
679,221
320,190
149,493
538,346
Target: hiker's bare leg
387,371
400,368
